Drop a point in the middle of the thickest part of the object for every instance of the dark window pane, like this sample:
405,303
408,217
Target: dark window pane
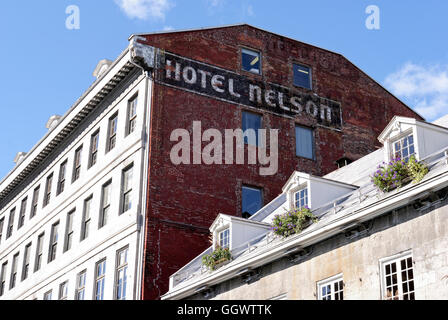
251,121
251,61
252,201
302,76
304,142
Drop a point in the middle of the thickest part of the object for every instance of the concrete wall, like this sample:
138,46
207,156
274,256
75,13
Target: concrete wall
425,233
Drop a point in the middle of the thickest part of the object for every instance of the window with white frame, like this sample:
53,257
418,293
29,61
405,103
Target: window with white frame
77,164
3,278
48,186
94,143
224,238
86,218
112,133
61,180
81,285
10,223
69,231
22,213
63,290
47,295
301,198
397,278
13,280
2,222
53,242
39,248
132,115
127,189
331,288
26,261
105,204
35,202
404,148
100,274
121,274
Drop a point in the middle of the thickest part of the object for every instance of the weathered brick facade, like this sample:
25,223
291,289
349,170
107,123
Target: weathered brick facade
184,200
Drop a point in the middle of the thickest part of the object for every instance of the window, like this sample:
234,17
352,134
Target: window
132,115
251,122
86,218
404,148
105,204
22,213
69,231
77,164
10,223
112,133
81,285
2,222
252,201
121,274
53,242
47,195
3,278
301,198
251,61
15,261
94,142
331,289
61,181
26,261
302,76
343,162
63,290
224,238
100,272
47,295
397,275
39,247
304,142
127,189
35,202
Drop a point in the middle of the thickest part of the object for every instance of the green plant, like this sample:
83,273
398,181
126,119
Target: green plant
292,221
395,173
417,170
216,257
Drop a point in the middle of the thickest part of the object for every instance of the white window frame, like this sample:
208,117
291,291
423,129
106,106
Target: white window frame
397,259
305,197
63,290
81,285
225,239
332,281
121,274
399,138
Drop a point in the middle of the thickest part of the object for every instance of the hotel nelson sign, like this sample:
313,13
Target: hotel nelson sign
204,79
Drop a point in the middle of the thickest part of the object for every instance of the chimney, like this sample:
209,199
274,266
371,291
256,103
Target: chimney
19,157
53,122
101,67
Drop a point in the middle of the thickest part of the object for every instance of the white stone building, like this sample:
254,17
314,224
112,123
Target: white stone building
365,245
72,209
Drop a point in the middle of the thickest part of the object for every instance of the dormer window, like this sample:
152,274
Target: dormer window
301,198
224,239
403,148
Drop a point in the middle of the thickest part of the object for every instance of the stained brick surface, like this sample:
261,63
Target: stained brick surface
184,200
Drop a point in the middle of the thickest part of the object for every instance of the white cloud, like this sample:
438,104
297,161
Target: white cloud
250,11
215,3
424,88
145,9
168,28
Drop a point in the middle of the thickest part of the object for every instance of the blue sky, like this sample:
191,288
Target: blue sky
47,67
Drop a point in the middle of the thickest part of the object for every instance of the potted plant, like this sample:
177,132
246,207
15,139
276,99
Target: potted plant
398,173
217,258
292,221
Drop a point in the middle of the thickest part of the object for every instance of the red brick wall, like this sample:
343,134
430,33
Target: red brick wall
193,195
